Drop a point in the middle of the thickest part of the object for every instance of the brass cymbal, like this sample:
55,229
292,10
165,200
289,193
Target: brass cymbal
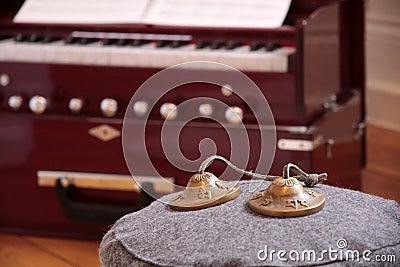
286,197
204,190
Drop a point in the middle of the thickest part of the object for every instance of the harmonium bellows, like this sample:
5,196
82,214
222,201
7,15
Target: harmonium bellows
65,88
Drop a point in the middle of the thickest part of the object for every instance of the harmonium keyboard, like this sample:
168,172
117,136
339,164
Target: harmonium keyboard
65,89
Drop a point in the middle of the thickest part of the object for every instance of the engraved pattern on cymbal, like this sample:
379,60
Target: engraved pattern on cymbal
285,181
200,177
257,195
204,194
296,204
267,201
222,186
312,193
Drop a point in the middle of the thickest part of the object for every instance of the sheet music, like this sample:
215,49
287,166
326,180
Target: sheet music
82,11
218,13
194,13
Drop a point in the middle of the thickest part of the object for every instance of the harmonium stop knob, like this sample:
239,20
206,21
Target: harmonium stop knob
234,115
205,109
109,107
15,102
169,111
140,108
38,104
75,105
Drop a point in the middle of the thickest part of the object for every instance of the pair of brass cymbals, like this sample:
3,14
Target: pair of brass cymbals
285,196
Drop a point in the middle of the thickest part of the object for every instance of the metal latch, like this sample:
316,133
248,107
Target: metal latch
299,145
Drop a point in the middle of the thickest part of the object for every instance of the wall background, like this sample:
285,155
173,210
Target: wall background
383,63
382,173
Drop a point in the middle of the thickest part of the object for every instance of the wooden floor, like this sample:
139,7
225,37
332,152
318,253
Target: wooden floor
381,175
29,251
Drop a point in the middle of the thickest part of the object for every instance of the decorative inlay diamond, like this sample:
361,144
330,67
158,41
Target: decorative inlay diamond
105,132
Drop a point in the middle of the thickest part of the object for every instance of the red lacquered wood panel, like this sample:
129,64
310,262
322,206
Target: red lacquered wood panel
327,62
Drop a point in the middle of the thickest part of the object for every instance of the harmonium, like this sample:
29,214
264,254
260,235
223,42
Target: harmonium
68,83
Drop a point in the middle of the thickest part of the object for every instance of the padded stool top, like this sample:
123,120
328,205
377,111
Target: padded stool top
232,235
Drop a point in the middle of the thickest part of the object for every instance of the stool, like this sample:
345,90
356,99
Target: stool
352,229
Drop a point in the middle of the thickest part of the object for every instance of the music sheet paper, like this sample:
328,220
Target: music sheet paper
218,13
192,13
82,11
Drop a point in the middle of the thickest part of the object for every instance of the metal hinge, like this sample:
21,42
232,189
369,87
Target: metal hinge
331,104
299,145
310,145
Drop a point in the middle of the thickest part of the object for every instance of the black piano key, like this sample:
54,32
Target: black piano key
108,42
50,39
202,44
122,42
256,46
177,44
138,42
21,37
272,46
232,45
217,45
162,43
35,38
85,41
71,40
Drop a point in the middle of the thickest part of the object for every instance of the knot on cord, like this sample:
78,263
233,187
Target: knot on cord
309,180
314,179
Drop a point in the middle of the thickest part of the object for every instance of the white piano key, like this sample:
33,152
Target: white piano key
66,54
114,55
126,57
37,53
281,59
6,50
94,54
158,57
50,51
141,54
21,52
130,56
180,54
173,58
183,53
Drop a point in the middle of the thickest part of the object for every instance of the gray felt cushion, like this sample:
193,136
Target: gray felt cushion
232,235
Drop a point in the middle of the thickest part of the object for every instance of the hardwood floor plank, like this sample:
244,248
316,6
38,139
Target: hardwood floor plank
16,251
383,150
381,185
76,252
381,175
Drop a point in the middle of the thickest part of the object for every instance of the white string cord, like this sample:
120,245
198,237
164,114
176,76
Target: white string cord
309,180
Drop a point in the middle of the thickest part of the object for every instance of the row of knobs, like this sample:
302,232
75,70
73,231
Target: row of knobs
38,104
109,107
169,111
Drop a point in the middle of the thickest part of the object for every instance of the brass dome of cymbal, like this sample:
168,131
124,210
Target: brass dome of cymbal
286,197
204,190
